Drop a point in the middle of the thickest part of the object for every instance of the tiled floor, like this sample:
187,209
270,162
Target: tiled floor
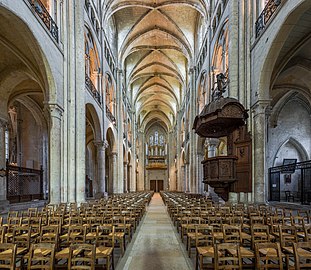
156,244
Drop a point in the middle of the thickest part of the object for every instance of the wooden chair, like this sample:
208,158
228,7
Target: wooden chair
307,232
41,256
288,236
204,242
7,256
12,222
299,223
21,237
2,233
120,231
302,252
75,236
232,234
260,234
50,234
105,246
227,256
268,256
81,256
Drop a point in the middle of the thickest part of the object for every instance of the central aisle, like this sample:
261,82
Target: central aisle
156,244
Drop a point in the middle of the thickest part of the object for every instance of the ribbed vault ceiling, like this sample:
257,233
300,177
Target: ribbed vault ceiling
156,40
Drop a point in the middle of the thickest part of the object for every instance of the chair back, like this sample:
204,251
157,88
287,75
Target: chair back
227,256
268,256
7,256
81,256
42,254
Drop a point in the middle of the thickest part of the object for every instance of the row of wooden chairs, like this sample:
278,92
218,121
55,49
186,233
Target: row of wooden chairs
64,229
206,232
42,256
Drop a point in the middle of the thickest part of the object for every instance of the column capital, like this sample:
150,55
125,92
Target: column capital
260,106
54,110
211,142
114,153
191,69
101,144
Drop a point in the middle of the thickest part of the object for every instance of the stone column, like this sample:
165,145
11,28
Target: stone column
74,91
100,148
118,185
211,146
233,50
187,177
125,176
114,165
56,190
3,179
193,165
129,177
259,145
182,181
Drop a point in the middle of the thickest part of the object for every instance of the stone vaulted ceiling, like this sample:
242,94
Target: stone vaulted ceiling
156,41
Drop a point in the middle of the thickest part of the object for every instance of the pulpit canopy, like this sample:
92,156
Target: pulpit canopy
220,117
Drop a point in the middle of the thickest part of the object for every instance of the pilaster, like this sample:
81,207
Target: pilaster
56,189
100,153
259,147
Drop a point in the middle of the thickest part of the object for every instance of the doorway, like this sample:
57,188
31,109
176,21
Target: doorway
156,185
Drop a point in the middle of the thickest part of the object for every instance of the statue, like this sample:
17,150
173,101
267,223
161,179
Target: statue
221,85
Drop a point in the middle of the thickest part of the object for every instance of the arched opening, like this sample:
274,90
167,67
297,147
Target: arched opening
25,88
110,162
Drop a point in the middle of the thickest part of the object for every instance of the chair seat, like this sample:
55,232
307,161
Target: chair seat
38,252
304,253
64,236
206,251
102,251
288,250
271,252
245,253
64,253
118,234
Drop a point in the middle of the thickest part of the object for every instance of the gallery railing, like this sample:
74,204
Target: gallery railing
291,183
38,8
92,89
110,116
24,184
264,18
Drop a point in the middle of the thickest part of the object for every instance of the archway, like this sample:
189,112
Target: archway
110,162
26,87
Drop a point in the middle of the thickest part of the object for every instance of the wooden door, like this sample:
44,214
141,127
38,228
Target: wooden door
153,185
160,185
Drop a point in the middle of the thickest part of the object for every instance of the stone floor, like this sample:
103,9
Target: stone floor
156,243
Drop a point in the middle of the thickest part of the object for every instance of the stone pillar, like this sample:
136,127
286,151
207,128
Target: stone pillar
100,148
187,177
56,190
118,185
259,155
125,176
211,146
233,50
114,165
193,165
3,179
182,181
129,177
74,91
